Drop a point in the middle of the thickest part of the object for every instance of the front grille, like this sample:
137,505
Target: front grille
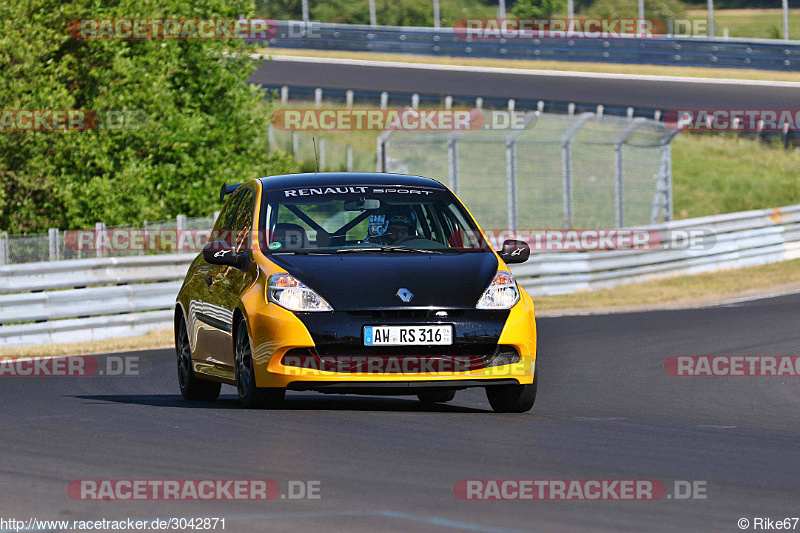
407,313
370,362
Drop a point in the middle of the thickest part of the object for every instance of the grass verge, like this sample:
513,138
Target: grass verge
154,339
750,23
680,291
566,66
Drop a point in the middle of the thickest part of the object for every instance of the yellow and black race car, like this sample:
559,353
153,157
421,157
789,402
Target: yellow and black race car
352,283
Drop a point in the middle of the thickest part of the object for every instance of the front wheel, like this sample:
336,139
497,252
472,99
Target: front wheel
250,396
191,387
513,398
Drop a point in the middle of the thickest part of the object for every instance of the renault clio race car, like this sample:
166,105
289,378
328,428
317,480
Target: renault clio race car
351,283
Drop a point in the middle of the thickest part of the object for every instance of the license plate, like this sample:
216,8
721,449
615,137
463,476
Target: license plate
408,335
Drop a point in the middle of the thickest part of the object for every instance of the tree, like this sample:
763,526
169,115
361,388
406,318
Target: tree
539,9
204,123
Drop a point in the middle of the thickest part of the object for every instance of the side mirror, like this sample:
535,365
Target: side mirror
515,251
223,253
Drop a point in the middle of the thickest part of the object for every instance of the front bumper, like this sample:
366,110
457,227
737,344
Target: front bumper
277,333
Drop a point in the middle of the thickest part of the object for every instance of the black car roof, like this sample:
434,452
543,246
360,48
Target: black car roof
321,179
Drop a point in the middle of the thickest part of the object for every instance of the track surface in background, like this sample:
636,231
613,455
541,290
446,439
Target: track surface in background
664,95
606,410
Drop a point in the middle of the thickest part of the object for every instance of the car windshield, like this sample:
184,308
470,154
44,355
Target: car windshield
365,219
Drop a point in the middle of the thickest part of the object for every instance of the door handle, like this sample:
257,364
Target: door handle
209,281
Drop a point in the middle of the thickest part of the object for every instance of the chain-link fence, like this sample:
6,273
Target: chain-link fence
333,156
158,237
571,171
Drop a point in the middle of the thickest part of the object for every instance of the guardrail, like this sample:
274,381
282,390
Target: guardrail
92,299
106,297
675,50
743,239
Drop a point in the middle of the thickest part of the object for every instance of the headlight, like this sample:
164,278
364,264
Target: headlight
293,295
502,293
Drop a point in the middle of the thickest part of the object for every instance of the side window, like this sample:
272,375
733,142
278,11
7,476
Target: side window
224,219
242,221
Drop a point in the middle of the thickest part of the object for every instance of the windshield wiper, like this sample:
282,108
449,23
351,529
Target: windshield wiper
387,248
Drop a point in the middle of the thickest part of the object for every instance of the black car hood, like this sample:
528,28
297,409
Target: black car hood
371,280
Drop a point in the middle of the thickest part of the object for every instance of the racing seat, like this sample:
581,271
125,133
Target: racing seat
290,236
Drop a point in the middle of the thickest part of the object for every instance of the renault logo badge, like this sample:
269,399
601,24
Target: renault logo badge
405,295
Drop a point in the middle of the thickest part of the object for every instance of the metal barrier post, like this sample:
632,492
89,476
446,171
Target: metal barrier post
99,229
349,151
270,137
322,154
180,227
4,248
52,240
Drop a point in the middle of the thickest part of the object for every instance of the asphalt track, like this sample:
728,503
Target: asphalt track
606,410
553,87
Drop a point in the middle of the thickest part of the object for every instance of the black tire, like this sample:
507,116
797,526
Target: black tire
250,396
513,398
192,388
438,396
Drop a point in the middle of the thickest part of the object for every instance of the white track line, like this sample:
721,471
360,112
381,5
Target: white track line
527,72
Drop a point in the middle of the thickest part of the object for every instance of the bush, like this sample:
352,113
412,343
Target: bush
205,124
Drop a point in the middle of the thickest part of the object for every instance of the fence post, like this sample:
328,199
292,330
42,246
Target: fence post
448,102
4,259
52,239
384,100
566,165
511,175
380,163
349,98
511,169
349,152
180,227
318,96
619,190
452,162
415,100
100,228
284,94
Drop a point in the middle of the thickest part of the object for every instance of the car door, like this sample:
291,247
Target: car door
212,321
227,291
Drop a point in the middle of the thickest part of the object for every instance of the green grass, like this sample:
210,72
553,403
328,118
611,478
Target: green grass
754,23
724,173
689,290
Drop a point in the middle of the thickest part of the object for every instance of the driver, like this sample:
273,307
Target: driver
400,228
